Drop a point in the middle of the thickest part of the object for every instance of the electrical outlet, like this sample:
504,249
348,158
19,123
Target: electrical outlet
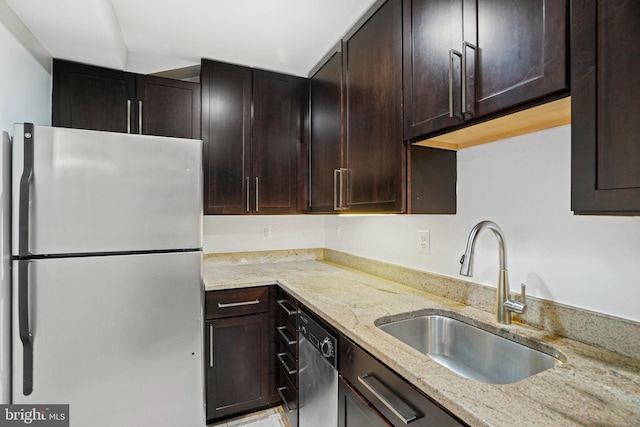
339,233
266,231
424,244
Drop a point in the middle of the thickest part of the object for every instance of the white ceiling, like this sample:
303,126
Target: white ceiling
149,36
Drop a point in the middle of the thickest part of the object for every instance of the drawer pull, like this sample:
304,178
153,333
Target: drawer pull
237,304
290,407
285,365
290,310
389,399
211,345
282,330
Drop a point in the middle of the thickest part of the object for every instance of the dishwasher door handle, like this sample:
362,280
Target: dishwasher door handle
388,398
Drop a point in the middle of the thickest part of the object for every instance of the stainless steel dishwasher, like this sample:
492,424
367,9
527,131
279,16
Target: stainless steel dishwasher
318,373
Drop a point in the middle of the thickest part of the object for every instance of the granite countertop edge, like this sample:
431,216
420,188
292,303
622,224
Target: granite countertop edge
594,386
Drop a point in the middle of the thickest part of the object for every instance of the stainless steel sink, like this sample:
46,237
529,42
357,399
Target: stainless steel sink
468,350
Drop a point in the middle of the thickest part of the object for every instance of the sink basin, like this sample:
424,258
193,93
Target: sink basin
468,350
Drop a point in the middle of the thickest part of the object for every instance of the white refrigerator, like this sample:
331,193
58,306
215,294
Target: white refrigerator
106,268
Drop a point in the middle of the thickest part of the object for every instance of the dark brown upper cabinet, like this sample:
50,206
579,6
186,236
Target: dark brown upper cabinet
168,107
96,98
605,150
276,139
374,170
226,133
471,59
252,128
325,151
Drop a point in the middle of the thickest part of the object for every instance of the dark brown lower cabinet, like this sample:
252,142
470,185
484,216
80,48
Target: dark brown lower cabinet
238,352
355,411
237,377
385,394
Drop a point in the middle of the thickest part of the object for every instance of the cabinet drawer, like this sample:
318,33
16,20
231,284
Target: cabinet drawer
389,393
236,302
288,307
288,336
288,366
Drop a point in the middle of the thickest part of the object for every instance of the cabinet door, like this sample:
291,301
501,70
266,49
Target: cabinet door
432,60
168,107
237,360
87,97
226,134
355,411
517,50
275,139
325,154
605,172
375,151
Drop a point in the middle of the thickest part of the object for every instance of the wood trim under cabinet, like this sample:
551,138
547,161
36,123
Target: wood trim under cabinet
545,116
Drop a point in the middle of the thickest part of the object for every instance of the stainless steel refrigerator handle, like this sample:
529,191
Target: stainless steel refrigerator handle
211,345
140,117
452,52
23,265
389,399
25,191
25,331
237,304
465,45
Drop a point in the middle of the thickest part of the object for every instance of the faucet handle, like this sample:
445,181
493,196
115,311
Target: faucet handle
517,306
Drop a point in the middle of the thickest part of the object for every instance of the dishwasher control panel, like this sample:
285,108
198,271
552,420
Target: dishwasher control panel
319,335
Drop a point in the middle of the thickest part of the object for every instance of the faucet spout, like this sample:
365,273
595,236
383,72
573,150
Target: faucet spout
502,292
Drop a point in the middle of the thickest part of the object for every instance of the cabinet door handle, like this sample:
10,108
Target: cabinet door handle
336,175
338,189
257,198
237,304
452,52
285,365
211,345
282,331
290,311
247,191
465,45
388,398
140,117
128,116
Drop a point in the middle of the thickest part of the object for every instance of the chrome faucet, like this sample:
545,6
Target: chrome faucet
504,305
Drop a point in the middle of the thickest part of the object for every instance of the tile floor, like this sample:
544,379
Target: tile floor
268,418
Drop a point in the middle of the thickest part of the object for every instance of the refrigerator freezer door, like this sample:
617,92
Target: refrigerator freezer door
106,192
118,338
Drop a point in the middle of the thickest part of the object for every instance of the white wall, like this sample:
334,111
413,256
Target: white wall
242,233
25,79
523,184
25,88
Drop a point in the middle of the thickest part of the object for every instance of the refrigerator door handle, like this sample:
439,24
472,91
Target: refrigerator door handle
25,330
25,192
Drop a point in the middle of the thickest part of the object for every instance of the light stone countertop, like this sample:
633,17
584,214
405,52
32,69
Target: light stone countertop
594,387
